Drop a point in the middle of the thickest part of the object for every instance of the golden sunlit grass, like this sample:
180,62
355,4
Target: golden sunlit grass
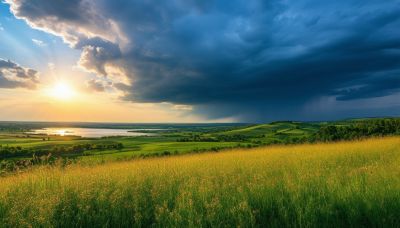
333,185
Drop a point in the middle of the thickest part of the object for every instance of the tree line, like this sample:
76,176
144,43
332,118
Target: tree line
18,151
358,130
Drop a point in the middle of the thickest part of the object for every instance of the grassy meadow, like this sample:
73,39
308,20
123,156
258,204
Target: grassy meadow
19,145
343,184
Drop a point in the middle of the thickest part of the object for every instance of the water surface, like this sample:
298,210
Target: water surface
89,132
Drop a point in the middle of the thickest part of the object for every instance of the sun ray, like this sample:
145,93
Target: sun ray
62,91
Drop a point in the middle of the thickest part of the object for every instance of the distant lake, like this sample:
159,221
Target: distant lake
91,132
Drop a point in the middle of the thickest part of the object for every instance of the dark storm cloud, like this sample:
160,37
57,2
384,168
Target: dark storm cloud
380,85
254,60
14,76
96,53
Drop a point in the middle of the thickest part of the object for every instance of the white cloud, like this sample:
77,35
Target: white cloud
51,66
39,43
183,107
96,85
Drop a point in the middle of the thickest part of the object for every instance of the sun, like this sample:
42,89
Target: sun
62,91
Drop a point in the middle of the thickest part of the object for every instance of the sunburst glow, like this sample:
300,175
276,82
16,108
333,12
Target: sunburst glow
62,91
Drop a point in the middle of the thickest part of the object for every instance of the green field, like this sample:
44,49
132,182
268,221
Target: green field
345,184
178,140
18,146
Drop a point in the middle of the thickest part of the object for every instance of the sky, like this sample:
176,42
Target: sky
199,60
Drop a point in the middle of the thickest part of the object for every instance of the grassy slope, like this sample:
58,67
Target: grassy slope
335,185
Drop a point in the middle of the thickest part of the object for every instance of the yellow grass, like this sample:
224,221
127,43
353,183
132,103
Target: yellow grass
336,184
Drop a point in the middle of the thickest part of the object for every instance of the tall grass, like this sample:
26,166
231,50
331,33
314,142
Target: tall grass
346,184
